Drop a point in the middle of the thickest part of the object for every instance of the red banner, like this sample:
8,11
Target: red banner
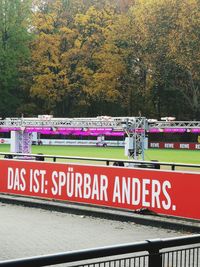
176,145
164,192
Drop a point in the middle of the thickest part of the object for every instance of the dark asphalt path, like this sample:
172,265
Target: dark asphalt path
26,232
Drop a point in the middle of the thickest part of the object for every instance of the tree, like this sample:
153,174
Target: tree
100,74
14,39
185,53
129,57
65,56
156,28
52,39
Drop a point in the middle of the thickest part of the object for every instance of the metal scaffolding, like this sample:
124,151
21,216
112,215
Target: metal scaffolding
117,123
135,129
175,124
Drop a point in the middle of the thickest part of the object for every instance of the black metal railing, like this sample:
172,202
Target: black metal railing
170,252
182,258
107,161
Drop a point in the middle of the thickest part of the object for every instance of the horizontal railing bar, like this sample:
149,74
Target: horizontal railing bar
103,159
75,256
179,241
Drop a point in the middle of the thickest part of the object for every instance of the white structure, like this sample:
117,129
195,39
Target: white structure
20,142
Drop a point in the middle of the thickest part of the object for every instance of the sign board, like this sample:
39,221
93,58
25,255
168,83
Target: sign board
164,192
67,142
176,145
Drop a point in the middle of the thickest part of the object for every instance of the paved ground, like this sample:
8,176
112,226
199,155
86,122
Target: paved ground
26,231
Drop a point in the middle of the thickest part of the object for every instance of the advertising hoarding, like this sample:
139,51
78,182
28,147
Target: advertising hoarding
164,192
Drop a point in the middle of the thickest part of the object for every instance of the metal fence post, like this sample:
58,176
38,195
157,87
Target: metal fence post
173,167
155,257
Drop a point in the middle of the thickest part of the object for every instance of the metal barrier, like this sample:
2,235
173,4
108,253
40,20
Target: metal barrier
115,162
149,253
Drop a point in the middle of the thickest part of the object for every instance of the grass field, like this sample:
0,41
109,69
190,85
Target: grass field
165,155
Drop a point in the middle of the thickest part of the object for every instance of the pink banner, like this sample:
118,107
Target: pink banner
164,192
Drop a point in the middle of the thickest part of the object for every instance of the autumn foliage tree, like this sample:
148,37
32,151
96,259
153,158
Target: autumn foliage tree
165,37
90,57
66,58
